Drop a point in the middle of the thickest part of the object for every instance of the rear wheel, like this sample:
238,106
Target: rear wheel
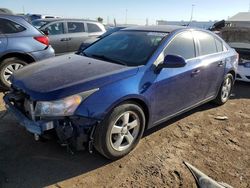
119,133
7,68
225,90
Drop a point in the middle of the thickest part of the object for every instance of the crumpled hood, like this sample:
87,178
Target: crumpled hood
66,75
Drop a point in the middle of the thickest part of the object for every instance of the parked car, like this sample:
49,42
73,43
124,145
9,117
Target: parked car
32,17
66,35
91,40
243,72
122,85
239,39
20,44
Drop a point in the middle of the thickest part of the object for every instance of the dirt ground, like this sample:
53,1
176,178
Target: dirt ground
219,148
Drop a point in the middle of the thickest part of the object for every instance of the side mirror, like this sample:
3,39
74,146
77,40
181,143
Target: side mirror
172,61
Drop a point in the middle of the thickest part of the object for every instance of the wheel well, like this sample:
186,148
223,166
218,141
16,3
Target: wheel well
25,57
143,106
233,73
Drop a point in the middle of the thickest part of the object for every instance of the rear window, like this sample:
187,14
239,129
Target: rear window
39,23
75,27
9,27
207,43
92,28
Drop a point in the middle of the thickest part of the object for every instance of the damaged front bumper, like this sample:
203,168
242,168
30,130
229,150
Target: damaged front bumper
36,127
72,130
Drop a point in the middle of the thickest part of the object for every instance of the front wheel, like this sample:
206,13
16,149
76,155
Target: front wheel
119,133
225,90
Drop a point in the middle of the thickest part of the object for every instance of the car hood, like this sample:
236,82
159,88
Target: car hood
67,75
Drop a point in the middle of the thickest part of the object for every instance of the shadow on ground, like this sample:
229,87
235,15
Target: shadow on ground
241,90
27,163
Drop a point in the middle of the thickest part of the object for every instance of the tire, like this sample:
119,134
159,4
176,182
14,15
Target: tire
225,90
7,67
112,137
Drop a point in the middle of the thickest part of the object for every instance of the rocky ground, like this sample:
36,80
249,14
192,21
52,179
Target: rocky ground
219,148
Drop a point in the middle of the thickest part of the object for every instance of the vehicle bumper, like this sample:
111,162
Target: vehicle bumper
243,73
43,54
36,127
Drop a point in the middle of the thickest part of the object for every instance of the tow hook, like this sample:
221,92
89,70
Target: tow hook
36,137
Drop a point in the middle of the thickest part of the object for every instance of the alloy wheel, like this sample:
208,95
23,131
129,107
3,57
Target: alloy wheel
226,89
124,131
10,69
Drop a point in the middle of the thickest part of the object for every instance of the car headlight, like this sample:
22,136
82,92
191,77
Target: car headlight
63,107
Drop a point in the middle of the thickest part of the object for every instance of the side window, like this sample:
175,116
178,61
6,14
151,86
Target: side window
207,43
219,45
182,45
55,29
92,28
8,27
75,27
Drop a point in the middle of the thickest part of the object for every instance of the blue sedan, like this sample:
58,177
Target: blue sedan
122,85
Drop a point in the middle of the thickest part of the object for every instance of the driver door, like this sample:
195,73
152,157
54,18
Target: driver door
178,88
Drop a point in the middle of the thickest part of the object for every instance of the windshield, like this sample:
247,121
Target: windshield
39,23
131,48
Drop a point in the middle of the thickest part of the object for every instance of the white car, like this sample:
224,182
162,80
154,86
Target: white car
243,49
243,72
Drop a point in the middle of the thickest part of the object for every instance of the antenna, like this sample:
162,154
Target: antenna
126,16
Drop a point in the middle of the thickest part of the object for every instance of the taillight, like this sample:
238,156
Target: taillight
42,39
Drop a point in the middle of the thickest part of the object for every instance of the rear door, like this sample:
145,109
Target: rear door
3,38
212,56
57,36
179,88
94,29
76,35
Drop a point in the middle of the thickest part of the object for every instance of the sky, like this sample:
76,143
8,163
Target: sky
137,11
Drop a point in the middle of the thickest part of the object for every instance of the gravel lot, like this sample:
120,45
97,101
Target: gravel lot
219,148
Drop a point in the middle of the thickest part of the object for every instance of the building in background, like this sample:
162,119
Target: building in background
242,19
203,25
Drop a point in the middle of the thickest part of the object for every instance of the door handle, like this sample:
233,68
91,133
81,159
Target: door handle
195,72
221,63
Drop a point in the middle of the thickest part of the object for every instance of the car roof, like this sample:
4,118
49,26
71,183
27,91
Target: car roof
65,19
156,28
11,15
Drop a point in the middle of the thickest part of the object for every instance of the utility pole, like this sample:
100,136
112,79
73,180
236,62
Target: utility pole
126,17
23,10
249,6
192,13
146,21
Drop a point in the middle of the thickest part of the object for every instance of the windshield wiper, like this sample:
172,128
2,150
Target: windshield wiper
105,58
82,53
